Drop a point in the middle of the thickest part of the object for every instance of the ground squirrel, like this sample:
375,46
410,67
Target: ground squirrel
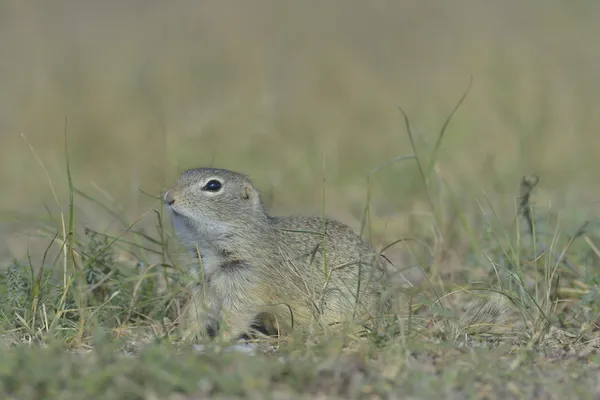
265,273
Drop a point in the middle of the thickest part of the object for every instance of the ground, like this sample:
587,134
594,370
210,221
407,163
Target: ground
488,222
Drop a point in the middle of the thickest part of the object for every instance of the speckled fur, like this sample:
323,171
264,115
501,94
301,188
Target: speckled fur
255,264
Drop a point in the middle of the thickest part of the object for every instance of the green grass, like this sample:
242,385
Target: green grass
349,118
507,307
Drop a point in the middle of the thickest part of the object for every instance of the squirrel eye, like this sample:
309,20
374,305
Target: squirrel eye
212,186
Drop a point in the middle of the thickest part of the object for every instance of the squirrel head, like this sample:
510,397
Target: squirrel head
214,202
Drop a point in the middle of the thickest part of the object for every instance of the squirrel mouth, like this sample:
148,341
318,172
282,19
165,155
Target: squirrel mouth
174,212
170,209
177,213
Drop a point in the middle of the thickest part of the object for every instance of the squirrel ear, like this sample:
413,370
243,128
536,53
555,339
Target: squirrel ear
248,192
251,194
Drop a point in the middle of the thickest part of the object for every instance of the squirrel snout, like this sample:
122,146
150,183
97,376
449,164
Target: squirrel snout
169,197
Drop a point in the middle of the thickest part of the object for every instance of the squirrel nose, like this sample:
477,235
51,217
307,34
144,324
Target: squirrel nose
169,197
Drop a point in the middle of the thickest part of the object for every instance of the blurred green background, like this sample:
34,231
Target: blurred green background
292,92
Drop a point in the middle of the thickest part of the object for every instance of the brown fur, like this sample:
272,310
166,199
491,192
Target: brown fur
271,269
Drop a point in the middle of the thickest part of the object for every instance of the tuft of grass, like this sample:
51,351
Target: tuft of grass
96,316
